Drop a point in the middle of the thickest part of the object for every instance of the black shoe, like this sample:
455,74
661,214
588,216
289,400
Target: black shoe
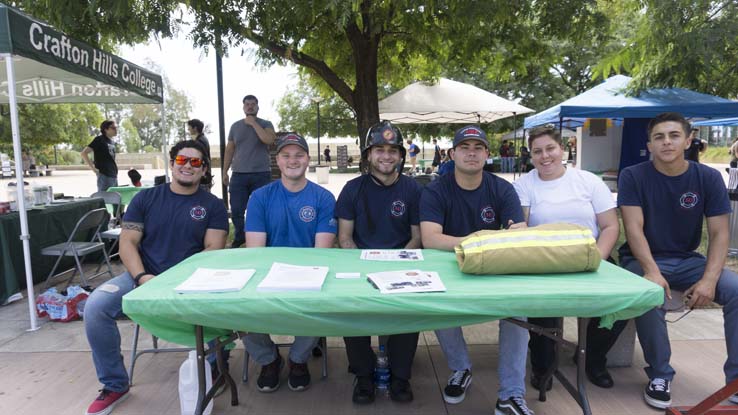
658,393
317,352
363,390
600,377
535,382
516,405
455,389
400,390
299,377
269,378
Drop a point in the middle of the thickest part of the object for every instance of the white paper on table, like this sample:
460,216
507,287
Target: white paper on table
211,280
392,254
407,281
348,275
286,277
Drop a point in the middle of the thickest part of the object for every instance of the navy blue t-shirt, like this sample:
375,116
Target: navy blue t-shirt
382,215
673,206
174,225
461,212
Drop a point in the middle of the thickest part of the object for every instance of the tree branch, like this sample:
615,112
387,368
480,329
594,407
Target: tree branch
319,67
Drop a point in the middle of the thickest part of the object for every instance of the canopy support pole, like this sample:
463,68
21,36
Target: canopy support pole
221,120
515,140
164,137
20,191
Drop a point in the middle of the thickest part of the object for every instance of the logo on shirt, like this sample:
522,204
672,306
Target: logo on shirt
307,213
398,208
689,200
488,214
198,213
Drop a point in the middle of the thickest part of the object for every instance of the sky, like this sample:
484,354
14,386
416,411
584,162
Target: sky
190,70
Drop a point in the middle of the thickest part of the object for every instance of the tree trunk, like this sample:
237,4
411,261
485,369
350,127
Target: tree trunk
365,46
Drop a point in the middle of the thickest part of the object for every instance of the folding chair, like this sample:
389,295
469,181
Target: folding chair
113,232
322,345
92,220
135,353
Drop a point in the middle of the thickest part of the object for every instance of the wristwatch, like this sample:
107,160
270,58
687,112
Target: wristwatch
137,278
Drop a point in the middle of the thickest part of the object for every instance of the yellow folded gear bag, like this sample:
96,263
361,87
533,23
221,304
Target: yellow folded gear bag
544,249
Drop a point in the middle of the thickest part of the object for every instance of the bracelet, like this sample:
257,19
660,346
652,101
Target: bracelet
137,278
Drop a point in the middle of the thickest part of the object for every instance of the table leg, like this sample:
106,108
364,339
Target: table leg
200,347
581,362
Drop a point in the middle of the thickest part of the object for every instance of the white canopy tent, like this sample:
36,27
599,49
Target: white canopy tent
446,101
43,65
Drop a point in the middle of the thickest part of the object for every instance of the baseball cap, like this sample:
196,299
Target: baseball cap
470,132
292,138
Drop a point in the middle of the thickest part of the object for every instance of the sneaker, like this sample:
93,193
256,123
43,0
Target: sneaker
400,390
269,377
514,406
658,393
299,377
455,389
363,390
733,399
106,402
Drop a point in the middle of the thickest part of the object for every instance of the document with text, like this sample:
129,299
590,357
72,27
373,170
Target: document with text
209,280
286,277
406,281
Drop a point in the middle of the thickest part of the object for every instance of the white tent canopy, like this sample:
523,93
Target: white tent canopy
446,101
43,65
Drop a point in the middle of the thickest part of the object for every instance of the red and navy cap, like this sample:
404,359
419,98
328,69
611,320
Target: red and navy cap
470,132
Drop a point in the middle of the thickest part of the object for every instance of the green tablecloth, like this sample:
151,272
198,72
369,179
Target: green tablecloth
47,225
126,192
352,307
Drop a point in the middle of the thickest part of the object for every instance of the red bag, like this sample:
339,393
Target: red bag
60,307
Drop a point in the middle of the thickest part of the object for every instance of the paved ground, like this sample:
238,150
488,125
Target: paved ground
50,371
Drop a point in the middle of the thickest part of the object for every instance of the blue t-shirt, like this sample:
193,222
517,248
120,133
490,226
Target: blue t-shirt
291,219
174,224
461,212
413,150
382,215
673,207
446,167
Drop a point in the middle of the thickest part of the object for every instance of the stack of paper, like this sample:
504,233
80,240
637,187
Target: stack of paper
406,281
286,277
208,280
392,254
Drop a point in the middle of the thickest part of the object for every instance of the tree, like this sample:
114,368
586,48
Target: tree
129,134
297,112
679,43
354,48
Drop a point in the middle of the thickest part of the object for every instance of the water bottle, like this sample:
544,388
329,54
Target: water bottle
382,371
188,385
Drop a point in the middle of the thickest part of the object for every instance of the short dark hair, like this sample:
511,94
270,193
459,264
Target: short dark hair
188,144
548,130
666,117
249,98
196,124
105,125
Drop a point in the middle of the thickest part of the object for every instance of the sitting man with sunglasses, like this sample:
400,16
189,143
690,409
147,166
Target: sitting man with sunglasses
162,226
664,203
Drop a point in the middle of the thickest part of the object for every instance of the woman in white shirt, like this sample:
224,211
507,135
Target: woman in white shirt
551,193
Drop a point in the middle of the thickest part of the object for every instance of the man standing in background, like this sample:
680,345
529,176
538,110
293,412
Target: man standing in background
103,149
247,152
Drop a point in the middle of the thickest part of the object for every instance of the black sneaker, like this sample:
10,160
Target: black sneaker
455,389
514,406
400,390
733,399
269,377
299,377
536,379
363,390
658,393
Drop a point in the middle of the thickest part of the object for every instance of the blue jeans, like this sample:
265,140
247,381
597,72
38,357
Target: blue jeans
240,189
511,364
651,326
263,351
104,182
102,308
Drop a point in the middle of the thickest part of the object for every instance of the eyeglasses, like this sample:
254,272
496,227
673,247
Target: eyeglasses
194,161
674,307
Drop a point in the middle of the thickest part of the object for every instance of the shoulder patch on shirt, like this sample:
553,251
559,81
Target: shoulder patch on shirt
198,213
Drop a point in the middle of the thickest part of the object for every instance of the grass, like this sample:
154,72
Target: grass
715,155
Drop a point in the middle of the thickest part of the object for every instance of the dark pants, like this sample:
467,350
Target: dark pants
240,189
599,342
400,350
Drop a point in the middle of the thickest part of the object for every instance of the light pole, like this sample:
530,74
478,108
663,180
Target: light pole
317,101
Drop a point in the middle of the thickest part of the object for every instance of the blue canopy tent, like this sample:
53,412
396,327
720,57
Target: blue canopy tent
722,122
608,100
